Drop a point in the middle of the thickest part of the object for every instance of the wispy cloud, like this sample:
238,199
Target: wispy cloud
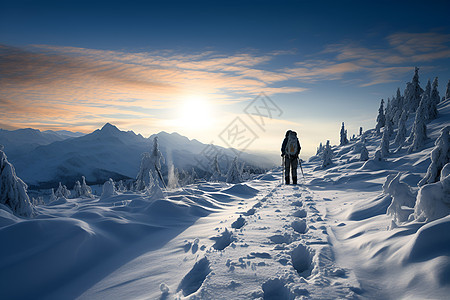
69,83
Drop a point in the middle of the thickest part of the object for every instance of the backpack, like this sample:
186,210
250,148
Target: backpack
291,145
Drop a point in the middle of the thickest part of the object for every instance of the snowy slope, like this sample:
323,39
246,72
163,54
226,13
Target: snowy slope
329,237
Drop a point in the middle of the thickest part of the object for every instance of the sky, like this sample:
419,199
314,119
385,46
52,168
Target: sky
233,73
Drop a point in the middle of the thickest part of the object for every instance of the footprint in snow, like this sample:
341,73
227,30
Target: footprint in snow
223,240
195,278
239,223
275,289
299,226
281,238
297,203
301,213
301,258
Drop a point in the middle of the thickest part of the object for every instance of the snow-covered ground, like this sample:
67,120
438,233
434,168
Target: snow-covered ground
329,237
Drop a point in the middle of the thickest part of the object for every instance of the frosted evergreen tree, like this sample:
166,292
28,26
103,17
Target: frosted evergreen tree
434,100
121,187
76,192
86,190
150,163
389,124
401,132
343,139
53,196
384,145
109,189
419,130
413,92
426,98
360,131
216,174
234,175
154,189
381,120
440,156
13,191
157,158
62,191
364,153
194,175
397,107
142,178
447,91
319,149
327,155
389,114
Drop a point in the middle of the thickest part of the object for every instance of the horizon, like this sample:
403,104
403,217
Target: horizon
204,69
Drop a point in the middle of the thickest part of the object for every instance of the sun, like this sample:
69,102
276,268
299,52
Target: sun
196,113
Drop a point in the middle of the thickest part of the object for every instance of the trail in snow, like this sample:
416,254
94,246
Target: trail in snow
273,245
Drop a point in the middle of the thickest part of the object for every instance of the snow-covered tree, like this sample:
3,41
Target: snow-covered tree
53,196
419,130
364,153
440,156
327,156
109,189
384,145
434,101
216,174
150,163
121,186
427,100
13,191
397,107
76,192
401,132
319,149
402,197
389,117
433,200
154,189
62,191
360,131
447,91
381,120
234,174
142,178
343,133
413,92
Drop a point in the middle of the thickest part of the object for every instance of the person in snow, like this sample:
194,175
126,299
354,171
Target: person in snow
290,150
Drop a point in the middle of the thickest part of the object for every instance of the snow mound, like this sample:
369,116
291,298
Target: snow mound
429,242
241,190
433,200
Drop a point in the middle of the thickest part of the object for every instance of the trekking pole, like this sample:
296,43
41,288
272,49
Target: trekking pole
282,166
301,168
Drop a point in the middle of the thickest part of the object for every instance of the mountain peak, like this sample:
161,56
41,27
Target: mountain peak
108,127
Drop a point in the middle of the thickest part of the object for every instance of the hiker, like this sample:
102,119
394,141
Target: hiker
290,150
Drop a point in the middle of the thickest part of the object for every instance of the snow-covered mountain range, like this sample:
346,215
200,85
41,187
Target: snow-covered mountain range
42,159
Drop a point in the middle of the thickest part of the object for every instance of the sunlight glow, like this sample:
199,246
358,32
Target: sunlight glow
195,113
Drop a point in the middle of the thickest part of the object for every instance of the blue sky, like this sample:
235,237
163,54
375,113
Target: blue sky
193,67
